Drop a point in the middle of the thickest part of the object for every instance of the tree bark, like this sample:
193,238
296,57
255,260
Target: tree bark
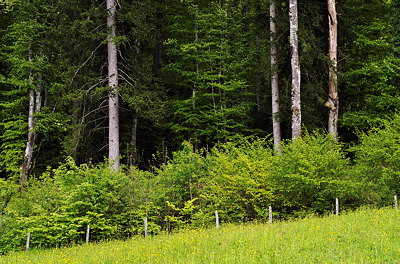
296,103
24,169
26,163
274,77
259,90
333,99
113,102
35,105
196,39
133,155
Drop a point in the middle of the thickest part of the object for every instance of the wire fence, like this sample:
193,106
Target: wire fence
336,210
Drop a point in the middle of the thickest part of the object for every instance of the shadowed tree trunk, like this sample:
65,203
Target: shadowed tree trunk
133,154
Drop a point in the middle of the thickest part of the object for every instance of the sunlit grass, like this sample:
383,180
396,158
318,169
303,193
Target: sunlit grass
367,236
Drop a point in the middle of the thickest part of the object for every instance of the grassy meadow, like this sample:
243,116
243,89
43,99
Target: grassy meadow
365,236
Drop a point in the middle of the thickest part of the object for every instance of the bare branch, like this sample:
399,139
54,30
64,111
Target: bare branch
95,110
83,64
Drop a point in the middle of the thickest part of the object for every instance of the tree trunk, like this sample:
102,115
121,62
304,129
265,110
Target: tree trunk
113,102
274,77
333,99
24,169
35,104
196,39
39,95
259,91
296,107
133,155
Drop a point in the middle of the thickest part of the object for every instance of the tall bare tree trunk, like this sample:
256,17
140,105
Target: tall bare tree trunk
113,102
296,106
333,99
196,40
274,77
260,91
24,169
35,104
133,154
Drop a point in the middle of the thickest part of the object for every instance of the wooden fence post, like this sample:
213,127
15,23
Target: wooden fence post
145,227
270,215
337,206
395,203
28,239
216,219
87,234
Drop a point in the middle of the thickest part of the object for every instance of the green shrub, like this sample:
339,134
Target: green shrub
303,178
57,207
181,181
377,162
238,181
310,173
241,180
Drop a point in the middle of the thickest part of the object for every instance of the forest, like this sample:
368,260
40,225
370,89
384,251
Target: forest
111,111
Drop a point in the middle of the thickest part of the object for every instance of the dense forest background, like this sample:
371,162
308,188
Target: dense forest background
194,80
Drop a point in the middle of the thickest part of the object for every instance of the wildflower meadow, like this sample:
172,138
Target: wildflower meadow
363,236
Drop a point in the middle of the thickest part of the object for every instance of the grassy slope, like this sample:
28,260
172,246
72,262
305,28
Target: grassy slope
367,236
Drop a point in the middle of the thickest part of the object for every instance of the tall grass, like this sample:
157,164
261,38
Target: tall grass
365,236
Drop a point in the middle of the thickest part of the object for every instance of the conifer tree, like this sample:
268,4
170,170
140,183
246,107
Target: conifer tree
210,54
371,69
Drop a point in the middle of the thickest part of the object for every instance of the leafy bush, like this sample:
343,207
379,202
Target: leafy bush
57,207
310,173
181,181
304,177
239,183
241,180
377,162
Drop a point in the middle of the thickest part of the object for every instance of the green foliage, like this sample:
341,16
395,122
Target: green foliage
241,180
52,126
57,207
7,190
238,184
12,145
181,176
181,182
305,177
377,159
213,98
394,21
189,70
310,173
370,84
